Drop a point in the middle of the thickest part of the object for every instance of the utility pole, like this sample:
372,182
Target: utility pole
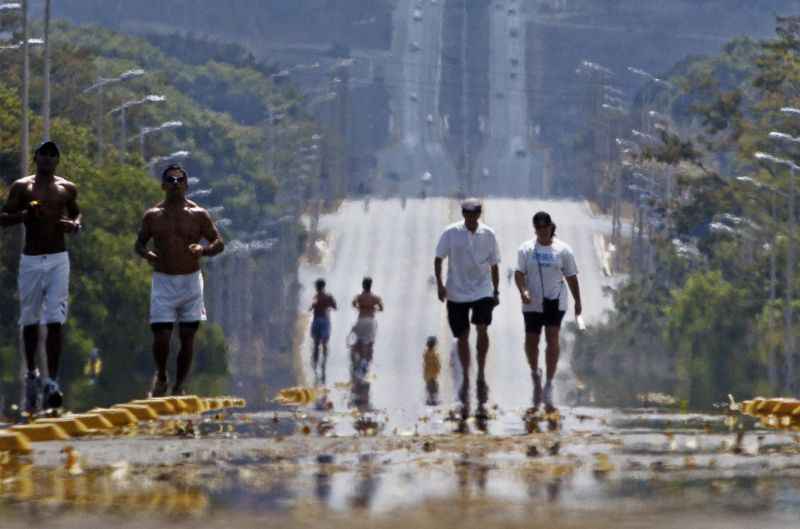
788,311
25,140
46,104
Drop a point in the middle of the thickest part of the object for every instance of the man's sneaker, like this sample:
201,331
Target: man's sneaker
537,388
33,386
548,397
159,388
177,391
53,398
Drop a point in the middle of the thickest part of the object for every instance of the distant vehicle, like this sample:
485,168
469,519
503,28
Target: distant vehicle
514,61
514,32
426,177
513,75
417,14
521,152
429,118
485,172
414,46
413,97
512,11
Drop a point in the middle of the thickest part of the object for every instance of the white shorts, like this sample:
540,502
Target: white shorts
177,298
365,330
43,283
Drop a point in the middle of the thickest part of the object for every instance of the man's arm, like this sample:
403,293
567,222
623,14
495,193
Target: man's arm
13,211
380,304
333,302
355,302
211,234
72,224
572,282
144,236
496,279
437,271
524,294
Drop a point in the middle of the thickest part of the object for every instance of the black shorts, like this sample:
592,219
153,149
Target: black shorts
534,321
458,314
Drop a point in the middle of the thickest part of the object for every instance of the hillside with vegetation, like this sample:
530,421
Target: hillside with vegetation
245,139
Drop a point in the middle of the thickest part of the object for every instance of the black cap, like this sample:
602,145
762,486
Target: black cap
542,218
48,146
471,205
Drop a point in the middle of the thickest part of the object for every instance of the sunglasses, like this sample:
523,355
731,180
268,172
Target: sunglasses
174,180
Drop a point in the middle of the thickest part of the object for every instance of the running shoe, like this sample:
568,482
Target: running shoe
53,397
159,388
33,385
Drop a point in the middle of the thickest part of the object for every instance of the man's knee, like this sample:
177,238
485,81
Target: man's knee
482,330
552,335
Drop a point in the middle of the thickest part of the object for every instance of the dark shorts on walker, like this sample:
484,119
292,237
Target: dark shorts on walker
534,321
458,314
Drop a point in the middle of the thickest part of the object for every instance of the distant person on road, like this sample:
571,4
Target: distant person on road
48,207
366,327
431,367
543,264
472,285
176,225
321,323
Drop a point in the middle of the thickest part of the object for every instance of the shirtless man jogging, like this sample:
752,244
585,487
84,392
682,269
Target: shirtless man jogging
321,323
365,328
47,205
176,226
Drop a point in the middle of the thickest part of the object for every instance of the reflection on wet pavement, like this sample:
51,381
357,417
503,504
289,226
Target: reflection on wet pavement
358,459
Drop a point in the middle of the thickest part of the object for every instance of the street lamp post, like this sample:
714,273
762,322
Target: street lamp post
96,87
123,112
788,311
25,139
144,131
46,103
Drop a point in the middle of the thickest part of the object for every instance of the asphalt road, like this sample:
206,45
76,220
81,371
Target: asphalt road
394,241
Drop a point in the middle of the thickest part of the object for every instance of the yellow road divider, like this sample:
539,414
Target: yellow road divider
41,432
116,416
239,403
160,406
14,442
93,421
140,411
72,426
177,404
296,396
213,404
193,403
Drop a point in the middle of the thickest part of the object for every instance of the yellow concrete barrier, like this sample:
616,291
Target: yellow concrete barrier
213,404
239,403
41,432
227,402
140,411
14,442
160,406
177,404
116,416
72,426
193,403
94,421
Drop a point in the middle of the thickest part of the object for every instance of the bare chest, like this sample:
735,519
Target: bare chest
176,225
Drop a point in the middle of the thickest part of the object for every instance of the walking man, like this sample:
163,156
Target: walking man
321,324
542,265
176,226
48,207
472,254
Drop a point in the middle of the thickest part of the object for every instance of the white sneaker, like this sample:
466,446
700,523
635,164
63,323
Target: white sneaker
548,396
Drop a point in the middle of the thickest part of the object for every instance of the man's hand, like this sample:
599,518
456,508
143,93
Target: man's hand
196,249
442,291
578,308
526,297
151,257
69,225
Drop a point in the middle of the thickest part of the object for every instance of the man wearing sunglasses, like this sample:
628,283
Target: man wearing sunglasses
543,264
47,205
176,226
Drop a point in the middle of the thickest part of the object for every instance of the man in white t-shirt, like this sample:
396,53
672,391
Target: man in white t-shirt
472,254
542,265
